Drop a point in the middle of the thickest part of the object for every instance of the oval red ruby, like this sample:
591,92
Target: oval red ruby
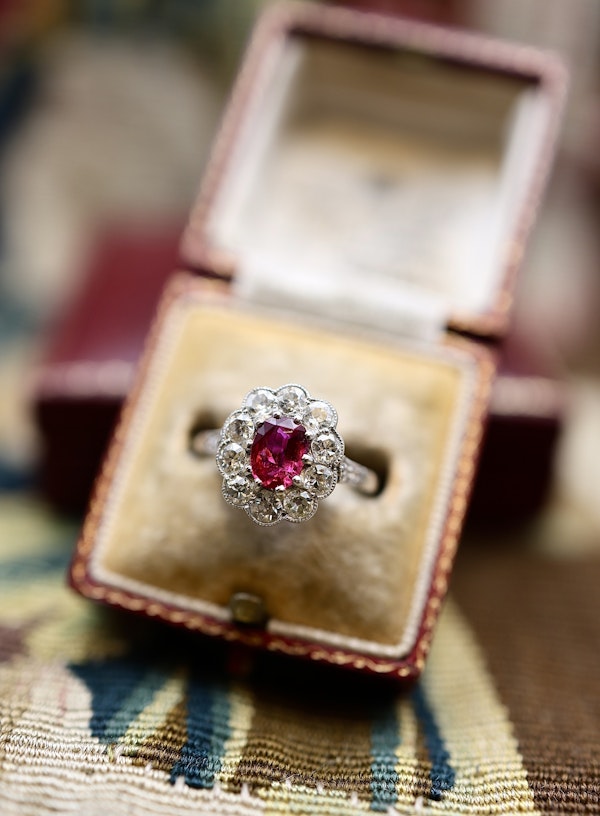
277,451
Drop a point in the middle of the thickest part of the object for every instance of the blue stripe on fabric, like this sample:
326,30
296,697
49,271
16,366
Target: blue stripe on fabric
120,689
442,774
207,731
12,478
385,738
133,705
36,565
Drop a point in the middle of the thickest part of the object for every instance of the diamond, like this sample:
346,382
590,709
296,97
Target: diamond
239,427
262,402
239,490
231,459
318,416
277,451
265,508
319,480
299,505
328,448
293,400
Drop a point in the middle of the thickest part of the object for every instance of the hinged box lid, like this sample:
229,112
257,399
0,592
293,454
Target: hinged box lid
378,171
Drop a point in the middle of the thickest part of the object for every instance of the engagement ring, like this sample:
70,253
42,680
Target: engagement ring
280,453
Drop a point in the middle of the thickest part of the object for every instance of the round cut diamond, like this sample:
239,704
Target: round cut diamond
265,508
319,415
239,428
319,480
239,490
277,451
231,459
292,399
299,505
262,402
328,448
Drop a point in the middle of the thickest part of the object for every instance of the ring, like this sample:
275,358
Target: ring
280,453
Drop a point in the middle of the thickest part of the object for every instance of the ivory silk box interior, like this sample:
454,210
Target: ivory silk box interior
378,171
372,186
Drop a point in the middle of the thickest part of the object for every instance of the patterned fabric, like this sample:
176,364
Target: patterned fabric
540,622
102,713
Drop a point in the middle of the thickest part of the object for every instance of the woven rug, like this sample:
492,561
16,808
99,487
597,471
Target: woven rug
103,714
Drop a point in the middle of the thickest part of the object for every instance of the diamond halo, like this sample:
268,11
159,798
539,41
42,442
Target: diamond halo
279,454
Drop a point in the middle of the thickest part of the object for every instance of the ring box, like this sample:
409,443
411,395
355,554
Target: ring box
367,205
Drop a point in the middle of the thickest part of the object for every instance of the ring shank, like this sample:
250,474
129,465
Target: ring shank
358,476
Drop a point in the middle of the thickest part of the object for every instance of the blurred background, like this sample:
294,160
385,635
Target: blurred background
107,111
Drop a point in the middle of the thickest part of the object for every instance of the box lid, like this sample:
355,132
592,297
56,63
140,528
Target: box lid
378,170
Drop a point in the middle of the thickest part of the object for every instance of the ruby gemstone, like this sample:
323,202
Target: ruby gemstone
277,451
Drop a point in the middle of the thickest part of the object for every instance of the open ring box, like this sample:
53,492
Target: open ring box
366,206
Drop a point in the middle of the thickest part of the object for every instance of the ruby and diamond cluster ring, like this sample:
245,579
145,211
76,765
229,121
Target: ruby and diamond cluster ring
280,453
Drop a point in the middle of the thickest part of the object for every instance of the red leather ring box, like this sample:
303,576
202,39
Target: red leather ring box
368,202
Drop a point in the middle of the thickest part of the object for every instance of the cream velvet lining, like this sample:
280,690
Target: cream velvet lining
364,164
358,573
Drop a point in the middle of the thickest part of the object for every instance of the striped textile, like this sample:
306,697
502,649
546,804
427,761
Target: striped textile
105,714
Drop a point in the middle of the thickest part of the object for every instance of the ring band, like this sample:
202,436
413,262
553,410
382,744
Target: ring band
280,453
